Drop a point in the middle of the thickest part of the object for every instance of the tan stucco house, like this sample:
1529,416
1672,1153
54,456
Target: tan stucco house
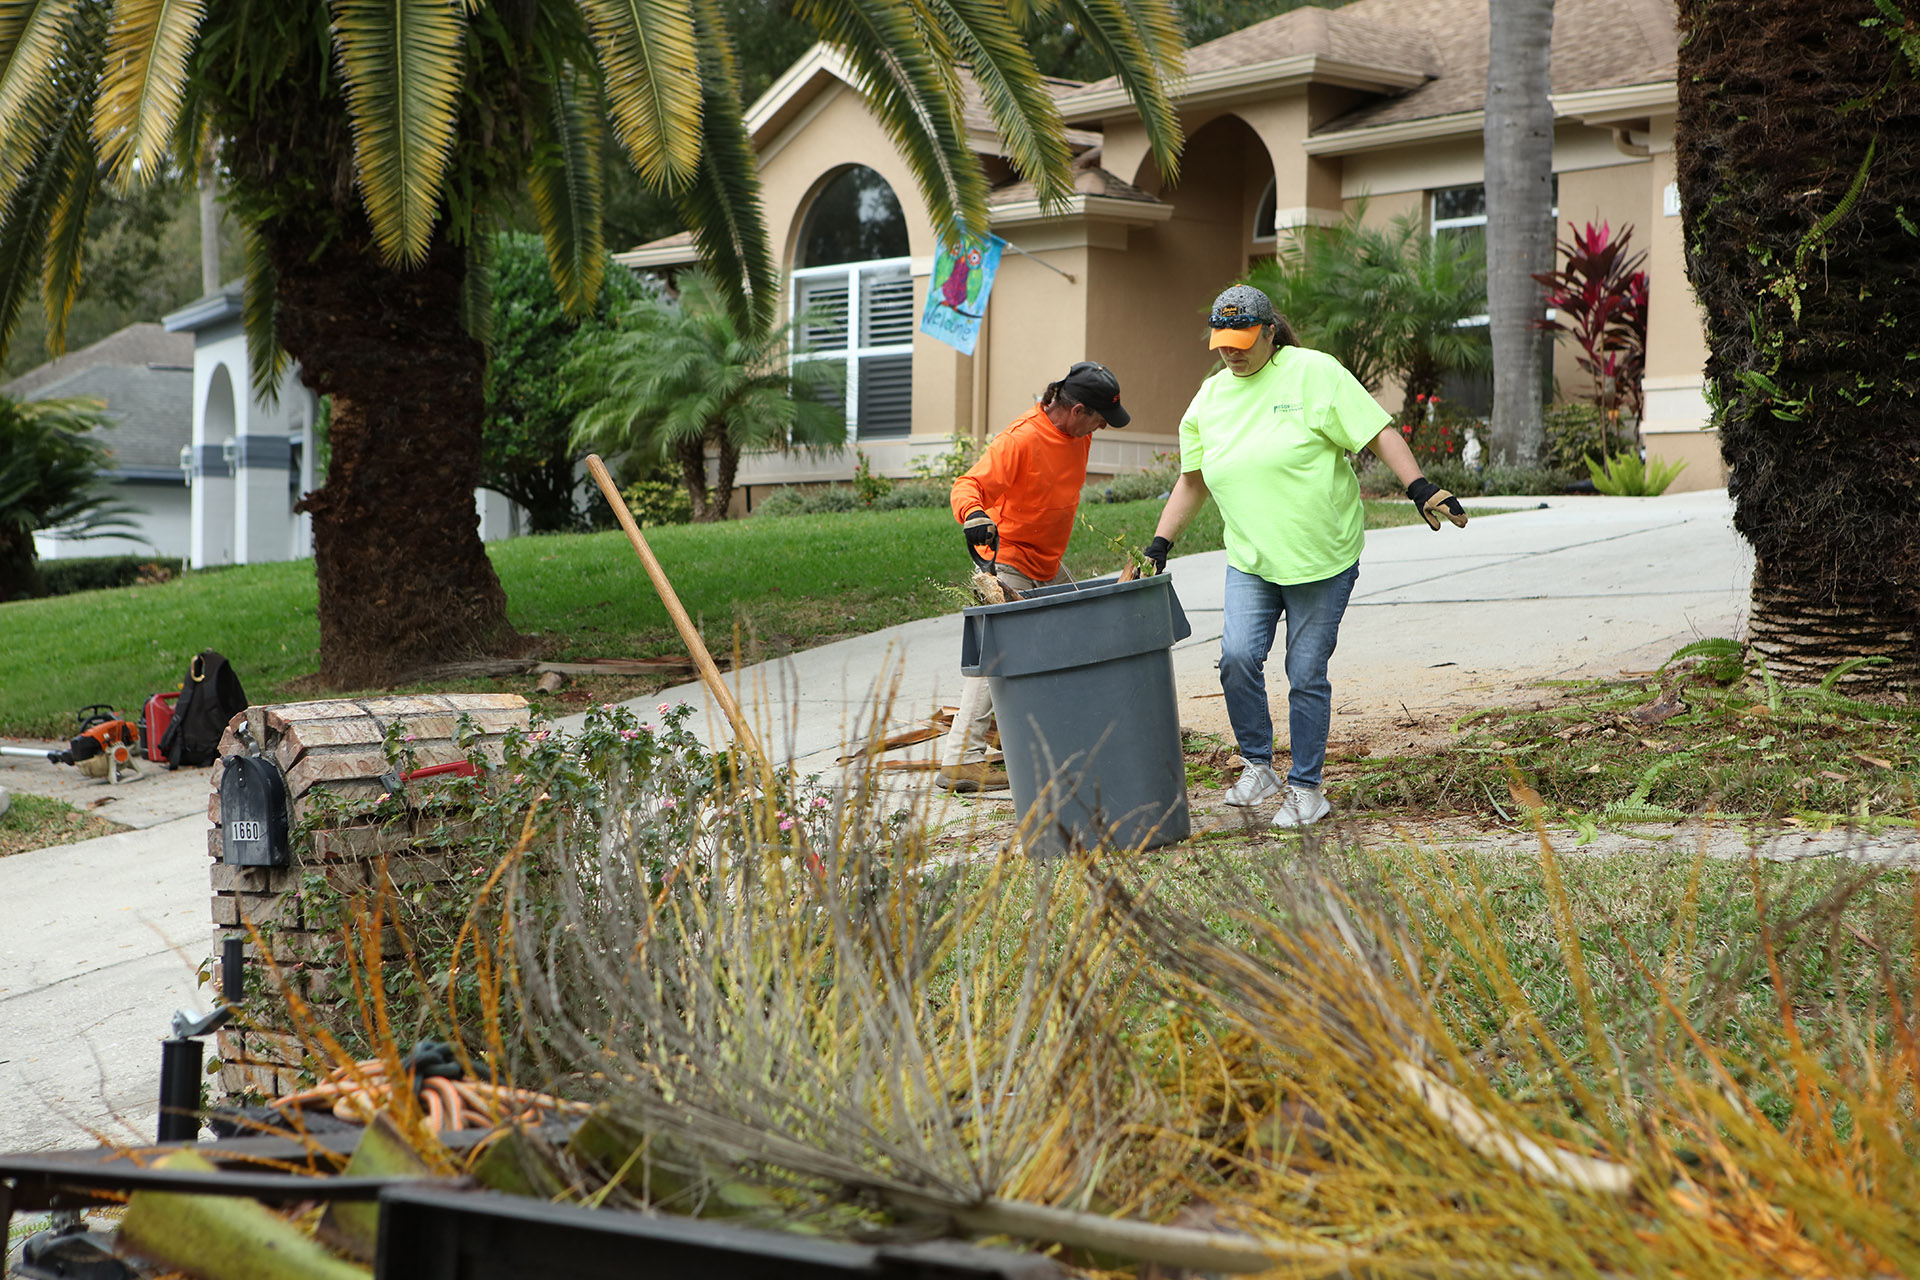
1290,121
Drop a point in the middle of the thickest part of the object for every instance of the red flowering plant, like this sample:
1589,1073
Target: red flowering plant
1435,432
1599,298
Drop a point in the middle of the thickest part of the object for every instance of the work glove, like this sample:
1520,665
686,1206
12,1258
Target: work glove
1433,503
980,531
1156,553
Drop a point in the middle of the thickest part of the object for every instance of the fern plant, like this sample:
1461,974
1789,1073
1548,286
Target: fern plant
1625,475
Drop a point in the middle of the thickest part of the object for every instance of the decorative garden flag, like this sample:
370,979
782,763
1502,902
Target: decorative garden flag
957,298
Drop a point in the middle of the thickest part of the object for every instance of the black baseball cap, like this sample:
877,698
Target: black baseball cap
1094,386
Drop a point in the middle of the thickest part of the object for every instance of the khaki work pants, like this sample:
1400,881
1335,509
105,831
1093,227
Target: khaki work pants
966,741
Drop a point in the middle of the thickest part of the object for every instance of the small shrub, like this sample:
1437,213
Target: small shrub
1532,481
1439,433
866,484
1625,475
788,501
784,501
656,501
944,468
1156,481
1577,432
912,493
98,573
831,500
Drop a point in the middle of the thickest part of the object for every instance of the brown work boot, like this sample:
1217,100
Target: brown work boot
971,777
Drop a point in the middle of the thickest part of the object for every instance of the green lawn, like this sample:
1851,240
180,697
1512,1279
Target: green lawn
791,582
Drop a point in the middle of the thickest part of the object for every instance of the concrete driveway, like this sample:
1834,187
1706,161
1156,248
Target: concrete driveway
98,946
1437,620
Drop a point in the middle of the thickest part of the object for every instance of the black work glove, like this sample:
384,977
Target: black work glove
1433,503
1156,553
980,532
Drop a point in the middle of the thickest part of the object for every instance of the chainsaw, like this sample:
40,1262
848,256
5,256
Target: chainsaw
102,749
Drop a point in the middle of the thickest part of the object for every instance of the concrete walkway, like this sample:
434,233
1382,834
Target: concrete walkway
1437,620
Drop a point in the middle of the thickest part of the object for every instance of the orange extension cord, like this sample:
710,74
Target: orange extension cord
361,1090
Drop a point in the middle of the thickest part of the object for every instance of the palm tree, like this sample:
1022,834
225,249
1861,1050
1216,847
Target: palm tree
366,150
1518,143
50,460
1386,301
1797,179
678,378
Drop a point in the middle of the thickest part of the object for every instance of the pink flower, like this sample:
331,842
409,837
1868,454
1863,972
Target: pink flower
819,802
663,708
786,824
668,803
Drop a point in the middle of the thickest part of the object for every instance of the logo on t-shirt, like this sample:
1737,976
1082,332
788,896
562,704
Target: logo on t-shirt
1283,407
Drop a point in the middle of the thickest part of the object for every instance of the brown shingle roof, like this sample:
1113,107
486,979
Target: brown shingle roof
1597,44
1340,34
1089,179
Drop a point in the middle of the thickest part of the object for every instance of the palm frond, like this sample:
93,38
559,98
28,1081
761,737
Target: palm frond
148,44
1141,40
564,186
76,178
1023,111
26,215
401,60
266,358
650,64
722,204
905,70
31,32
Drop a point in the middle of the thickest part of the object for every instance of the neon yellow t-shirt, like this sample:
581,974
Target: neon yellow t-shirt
1272,448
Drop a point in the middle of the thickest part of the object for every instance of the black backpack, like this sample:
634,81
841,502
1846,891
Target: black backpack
209,697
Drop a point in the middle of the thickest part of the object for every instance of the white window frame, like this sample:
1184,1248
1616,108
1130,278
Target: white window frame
854,274
1272,193
1436,224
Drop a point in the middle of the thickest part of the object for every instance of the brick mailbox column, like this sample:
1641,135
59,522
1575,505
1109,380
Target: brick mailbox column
334,751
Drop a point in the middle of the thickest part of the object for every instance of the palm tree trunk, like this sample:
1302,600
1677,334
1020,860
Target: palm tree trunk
1518,140
1796,189
729,466
404,579
19,572
692,457
1805,634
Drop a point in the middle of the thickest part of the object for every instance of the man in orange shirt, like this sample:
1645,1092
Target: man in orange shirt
1016,506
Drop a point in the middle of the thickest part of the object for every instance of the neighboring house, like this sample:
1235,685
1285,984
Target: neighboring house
144,376
1291,121
248,458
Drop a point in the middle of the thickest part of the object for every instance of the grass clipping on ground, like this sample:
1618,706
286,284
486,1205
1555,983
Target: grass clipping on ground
1706,732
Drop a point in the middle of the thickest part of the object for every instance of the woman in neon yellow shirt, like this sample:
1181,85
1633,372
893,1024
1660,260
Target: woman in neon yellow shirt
1267,438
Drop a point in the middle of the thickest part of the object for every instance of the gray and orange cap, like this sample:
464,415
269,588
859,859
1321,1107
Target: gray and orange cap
1238,315
1094,386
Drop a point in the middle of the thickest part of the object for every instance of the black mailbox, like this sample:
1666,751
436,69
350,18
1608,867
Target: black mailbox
253,814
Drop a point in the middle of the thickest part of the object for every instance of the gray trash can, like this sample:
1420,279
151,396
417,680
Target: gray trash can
1082,680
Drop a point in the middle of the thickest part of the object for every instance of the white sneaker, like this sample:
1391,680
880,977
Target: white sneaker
1303,807
1255,783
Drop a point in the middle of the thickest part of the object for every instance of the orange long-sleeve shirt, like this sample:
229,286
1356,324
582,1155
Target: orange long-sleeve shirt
1029,481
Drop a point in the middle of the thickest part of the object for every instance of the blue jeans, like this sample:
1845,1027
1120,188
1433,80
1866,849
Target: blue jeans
1313,611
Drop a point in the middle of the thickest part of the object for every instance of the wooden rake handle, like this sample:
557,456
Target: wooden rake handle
709,673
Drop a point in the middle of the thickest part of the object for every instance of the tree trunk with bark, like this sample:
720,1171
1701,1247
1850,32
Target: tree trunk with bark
1798,150
404,579
19,571
1518,141
692,457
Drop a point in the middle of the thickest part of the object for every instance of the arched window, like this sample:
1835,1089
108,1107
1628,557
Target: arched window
853,273
1264,229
